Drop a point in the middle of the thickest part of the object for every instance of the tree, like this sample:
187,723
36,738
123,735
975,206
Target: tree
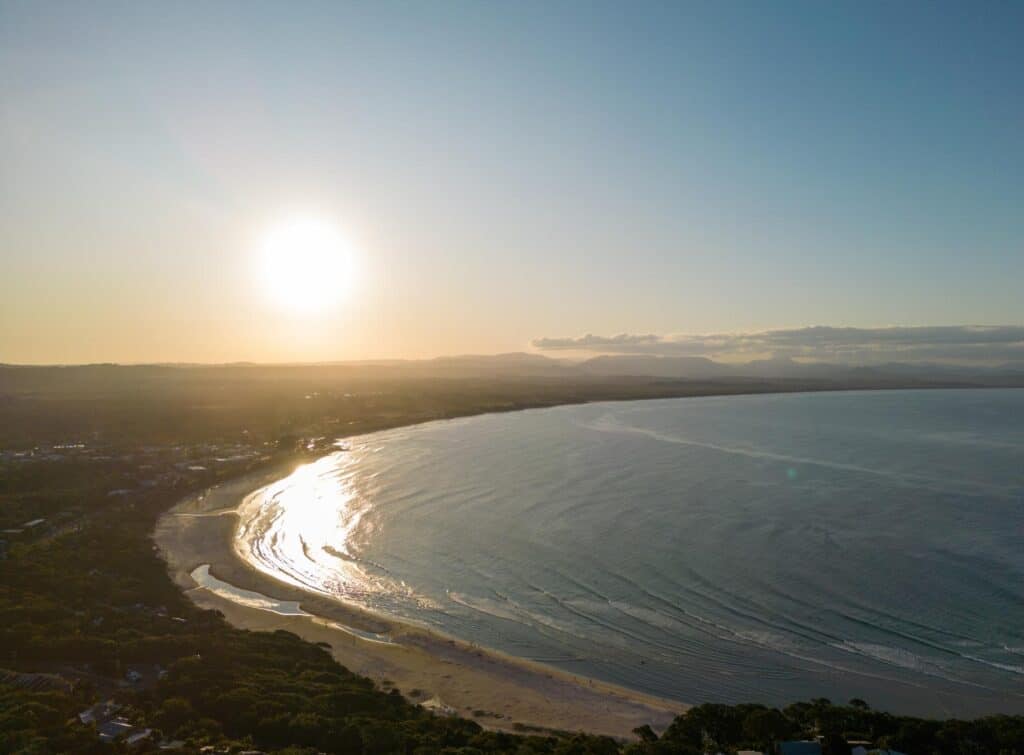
834,743
645,733
765,727
173,713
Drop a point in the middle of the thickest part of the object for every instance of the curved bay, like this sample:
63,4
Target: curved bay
761,548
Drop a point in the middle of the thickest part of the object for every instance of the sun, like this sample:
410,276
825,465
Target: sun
308,265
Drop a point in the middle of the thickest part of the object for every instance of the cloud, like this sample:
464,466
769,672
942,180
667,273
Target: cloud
949,343
624,342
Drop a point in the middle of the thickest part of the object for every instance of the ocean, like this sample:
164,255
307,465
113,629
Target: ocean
766,548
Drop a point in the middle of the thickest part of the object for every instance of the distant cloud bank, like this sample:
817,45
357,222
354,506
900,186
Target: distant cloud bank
953,343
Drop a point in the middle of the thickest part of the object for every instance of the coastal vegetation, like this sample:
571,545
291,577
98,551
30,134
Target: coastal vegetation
88,613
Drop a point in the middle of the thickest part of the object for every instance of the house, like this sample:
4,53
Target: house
36,682
861,747
803,747
137,736
99,713
114,729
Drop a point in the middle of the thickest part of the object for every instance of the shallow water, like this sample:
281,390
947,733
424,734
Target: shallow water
761,548
202,577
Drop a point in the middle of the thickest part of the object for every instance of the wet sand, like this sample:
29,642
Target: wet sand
496,690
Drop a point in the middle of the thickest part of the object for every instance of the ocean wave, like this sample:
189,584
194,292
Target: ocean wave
609,423
678,573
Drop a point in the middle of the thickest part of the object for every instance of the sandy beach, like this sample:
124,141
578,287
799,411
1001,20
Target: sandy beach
442,673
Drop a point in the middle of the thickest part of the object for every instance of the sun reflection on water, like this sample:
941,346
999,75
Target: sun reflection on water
301,529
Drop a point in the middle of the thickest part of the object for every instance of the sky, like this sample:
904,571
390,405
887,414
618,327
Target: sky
504,176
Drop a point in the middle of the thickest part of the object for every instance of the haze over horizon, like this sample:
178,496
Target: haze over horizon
962,346
327,182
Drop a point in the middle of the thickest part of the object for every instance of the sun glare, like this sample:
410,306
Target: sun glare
308,265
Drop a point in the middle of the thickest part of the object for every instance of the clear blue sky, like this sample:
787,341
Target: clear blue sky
506,171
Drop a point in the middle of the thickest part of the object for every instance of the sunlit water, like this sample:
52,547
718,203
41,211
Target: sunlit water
763,548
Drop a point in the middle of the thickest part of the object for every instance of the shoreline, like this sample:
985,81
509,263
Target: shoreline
442,673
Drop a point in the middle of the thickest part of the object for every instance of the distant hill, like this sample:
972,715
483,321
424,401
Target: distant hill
651,366
513,364
510,366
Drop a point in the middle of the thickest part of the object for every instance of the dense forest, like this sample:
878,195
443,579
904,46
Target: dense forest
88,613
